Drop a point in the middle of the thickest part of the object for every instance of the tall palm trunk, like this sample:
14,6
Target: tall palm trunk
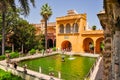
3,32
12,47
45,34
22,48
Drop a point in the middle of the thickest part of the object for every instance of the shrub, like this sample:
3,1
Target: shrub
32,51
5,76
8,76
14,54
94,27
54,49
2,57
7,51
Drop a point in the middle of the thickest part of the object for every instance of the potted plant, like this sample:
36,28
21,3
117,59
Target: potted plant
94,27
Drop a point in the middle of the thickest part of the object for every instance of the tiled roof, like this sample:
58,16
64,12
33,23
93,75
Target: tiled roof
53,24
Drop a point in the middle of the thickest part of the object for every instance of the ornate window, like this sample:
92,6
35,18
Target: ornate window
61,28
68,28
75,28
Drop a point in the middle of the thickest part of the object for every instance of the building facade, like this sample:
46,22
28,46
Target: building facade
71,33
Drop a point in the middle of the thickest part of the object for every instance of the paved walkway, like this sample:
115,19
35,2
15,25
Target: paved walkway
96,74
100,72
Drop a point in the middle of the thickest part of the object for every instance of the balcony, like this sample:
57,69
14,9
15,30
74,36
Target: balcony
75,33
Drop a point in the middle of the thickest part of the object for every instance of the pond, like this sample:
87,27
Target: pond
75,68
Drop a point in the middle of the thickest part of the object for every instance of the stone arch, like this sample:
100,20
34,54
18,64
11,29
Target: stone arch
51,30
66,45
50,43
99,41
87,42
68,30
75,28
61,28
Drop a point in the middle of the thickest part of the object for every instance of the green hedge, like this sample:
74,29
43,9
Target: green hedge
2,57
32,51
8,76
14,55
7,51
54,49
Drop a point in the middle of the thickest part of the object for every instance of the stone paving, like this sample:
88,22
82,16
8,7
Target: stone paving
100,72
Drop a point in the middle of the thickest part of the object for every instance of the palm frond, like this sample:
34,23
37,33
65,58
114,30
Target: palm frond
25,6
12,4
46,11
33,2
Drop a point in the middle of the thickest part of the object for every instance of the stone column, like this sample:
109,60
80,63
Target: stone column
71,29
94,47
107,54
117,56
53,42
64,29
104,20
113,59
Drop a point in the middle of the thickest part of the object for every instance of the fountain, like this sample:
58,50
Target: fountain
63,58
71,57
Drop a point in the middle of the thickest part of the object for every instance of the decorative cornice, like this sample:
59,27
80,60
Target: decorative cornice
69,17
92,32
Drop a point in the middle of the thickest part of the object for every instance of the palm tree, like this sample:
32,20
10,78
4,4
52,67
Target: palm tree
46,12
4,5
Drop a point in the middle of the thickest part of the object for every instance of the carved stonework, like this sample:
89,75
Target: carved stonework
118,22
118,1
111,24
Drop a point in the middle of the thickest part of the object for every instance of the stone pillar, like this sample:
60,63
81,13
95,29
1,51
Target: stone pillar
94,47
53,42
59,75
113,59
40,69
64,29
71,29
107,54
117,56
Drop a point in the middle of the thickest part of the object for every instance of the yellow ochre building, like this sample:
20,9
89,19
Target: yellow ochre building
71,33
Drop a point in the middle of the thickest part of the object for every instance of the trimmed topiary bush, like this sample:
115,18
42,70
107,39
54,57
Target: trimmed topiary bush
32,51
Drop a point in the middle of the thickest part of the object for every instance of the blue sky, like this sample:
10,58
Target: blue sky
60,7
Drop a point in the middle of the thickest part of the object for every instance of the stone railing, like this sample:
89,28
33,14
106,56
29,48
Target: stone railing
94,70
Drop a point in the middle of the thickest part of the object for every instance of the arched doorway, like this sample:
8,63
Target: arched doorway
50,43
99,45
88,45
66,45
